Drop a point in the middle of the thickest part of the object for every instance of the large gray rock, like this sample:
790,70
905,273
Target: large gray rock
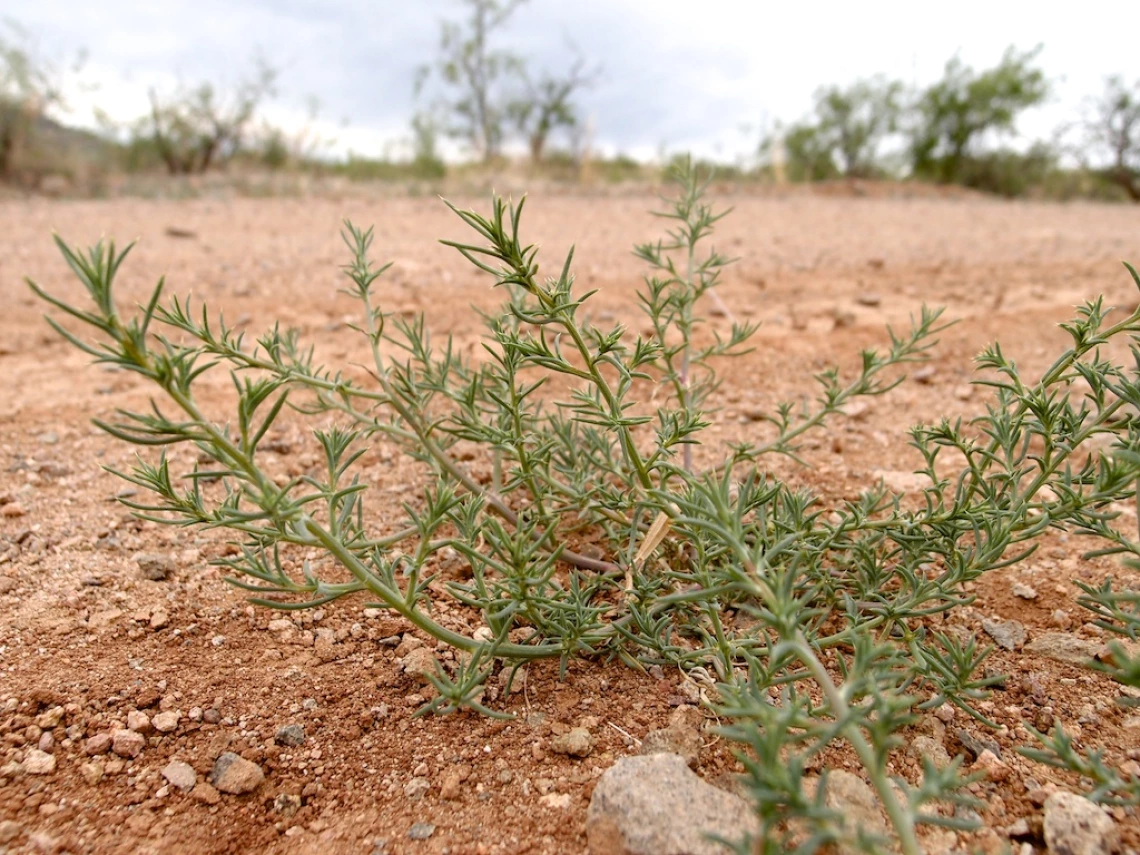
656,805
1066,648
851,796
1075,826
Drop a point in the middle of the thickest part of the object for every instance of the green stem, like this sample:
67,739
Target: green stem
626,437
397,603
900,817
444,460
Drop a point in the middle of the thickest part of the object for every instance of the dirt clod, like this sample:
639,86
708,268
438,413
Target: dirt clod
127,743
577,742
83,627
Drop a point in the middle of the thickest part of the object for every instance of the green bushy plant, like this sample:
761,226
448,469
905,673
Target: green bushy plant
807,625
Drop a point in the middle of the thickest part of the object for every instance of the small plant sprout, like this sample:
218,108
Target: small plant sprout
596,534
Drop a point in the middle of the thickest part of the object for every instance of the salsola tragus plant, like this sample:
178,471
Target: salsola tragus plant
806,625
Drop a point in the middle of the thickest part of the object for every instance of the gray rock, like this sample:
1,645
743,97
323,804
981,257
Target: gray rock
851,796
577,742
154,566
234,774
927,747
669,740
290,734
180,775
1026,592
1009,634
287,804
977,745
656,805
421,831
1075,826
416,789
419,663
682,736
1062,647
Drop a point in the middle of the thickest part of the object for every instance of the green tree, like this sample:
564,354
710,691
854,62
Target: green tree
475,76
953,114
548,104
843,134
194,129
426,159
1113,131
798,153
809,157
853,122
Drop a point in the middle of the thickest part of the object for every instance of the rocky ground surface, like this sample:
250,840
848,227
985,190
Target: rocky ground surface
145,707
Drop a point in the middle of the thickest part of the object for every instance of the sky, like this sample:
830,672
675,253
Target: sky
706,76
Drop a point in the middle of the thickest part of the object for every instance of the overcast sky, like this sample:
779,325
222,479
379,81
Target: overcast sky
704,75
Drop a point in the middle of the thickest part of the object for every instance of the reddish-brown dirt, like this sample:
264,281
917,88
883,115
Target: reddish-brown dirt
824,275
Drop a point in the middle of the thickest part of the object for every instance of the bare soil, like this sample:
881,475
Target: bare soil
823,274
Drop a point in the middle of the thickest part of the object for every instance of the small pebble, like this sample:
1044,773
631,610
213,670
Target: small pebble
1025,592
154,566
38,762
578,742
98,743
449,788
416,789
127,743
138,721
92,772
180,775
290,734
924,375
234,774
421,831
166,722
